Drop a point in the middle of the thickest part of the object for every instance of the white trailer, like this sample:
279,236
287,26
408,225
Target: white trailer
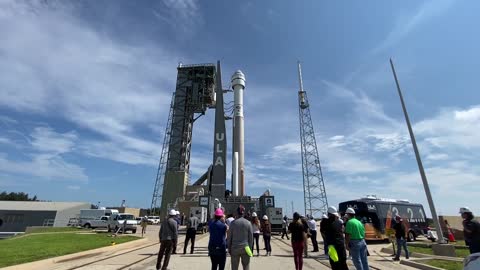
275,216
201,214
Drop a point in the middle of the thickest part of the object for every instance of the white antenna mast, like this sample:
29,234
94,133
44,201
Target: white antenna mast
300,80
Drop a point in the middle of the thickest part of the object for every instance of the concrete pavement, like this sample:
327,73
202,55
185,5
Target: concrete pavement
282,258
142,255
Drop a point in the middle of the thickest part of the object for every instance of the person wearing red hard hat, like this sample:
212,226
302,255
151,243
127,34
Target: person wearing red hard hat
217,245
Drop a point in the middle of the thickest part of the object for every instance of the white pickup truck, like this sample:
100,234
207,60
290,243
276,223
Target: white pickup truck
117,221
102,222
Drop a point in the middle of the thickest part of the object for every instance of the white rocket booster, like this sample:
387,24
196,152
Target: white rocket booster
238,176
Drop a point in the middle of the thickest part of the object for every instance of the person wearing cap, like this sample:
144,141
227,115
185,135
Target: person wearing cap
217,245
401,235
267,234
312,226
284,227
256,232
168,235
240,236
177,219
355,240
334,237
192,225
471,230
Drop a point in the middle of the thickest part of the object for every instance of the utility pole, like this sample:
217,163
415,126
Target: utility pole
419,160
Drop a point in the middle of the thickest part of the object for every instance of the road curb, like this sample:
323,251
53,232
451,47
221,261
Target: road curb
419,265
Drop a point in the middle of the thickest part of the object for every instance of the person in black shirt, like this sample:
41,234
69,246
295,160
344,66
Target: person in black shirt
401,235
323,228
471,230
334,237
297,229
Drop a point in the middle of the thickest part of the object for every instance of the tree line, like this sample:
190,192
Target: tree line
16,196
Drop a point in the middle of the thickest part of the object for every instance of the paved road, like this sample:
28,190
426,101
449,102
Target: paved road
141,255
282,258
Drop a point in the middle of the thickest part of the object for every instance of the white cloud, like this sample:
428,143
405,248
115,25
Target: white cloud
84,76
45,166
73,187
436,157
47,140
181,15
404,25
452,129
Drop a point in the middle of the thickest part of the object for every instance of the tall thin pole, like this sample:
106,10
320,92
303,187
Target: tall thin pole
300,79
419,160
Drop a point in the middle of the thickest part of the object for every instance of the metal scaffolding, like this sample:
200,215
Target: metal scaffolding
315,196
194,94
158,188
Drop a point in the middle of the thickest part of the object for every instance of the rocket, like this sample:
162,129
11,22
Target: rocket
238,171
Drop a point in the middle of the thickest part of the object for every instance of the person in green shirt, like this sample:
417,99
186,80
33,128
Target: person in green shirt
355,241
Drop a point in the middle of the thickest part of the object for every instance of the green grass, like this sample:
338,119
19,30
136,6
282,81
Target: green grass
461,253
447,265
33,247
420,250
55,229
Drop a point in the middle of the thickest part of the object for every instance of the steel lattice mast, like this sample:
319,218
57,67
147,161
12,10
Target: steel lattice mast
158,188
315,196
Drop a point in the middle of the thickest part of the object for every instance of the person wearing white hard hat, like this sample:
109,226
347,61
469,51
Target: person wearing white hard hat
267,234
355,240
168,235
471,230
256,232
335,238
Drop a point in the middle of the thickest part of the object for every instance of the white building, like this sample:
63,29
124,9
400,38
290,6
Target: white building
16,216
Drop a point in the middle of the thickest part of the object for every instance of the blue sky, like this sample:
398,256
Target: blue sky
85,88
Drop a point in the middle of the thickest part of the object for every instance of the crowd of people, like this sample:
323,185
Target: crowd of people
239,236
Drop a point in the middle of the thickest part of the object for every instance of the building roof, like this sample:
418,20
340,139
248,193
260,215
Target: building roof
40,206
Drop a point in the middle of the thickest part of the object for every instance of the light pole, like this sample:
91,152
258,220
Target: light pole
419,160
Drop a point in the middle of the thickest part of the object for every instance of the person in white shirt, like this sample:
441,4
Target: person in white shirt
312,226
256,232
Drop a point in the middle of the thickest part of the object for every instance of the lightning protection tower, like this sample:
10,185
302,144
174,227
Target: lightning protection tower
315,196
